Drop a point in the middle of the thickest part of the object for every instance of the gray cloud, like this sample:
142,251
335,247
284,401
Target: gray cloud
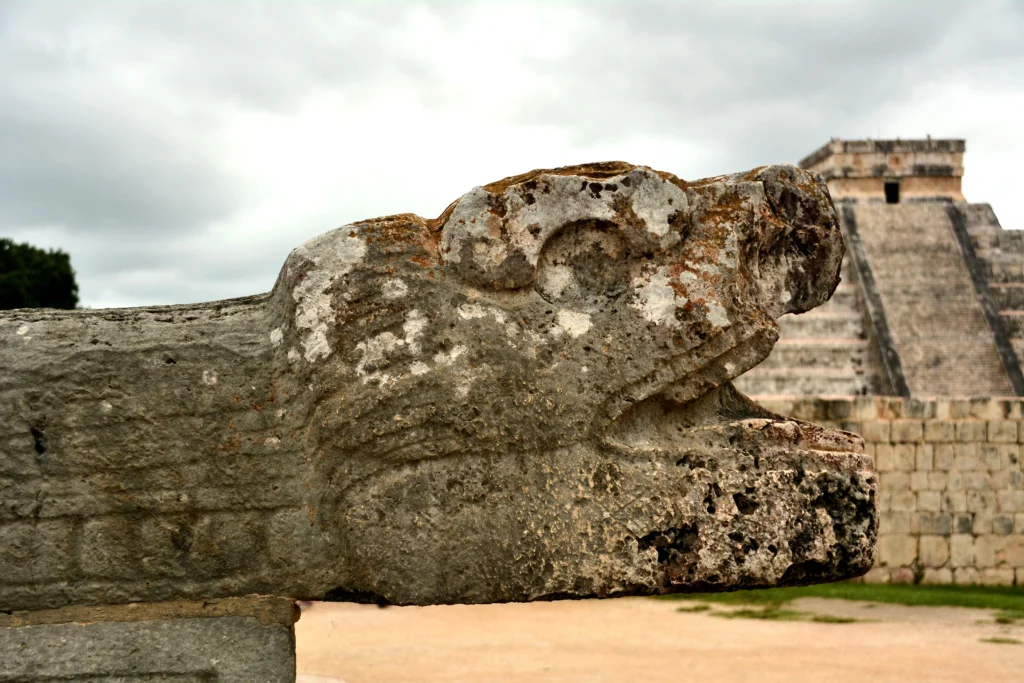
770,81
107,119
179,150
77,148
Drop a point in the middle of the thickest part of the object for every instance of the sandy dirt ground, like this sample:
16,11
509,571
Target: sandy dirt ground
639,639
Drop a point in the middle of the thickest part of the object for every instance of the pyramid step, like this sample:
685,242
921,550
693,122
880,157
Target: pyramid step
1018,348
801,382
844,300
1007,295
984,229
1004,270
1014,322
985,241
821,326
1011,240
980,216
1010,254
847,354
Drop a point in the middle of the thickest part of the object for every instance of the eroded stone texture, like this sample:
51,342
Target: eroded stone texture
526,398
234,641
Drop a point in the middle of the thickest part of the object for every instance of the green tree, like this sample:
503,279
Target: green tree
35,278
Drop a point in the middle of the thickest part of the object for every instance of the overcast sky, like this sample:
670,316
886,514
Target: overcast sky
178,151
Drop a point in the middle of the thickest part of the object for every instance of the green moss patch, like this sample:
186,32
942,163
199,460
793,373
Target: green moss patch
694,608
1002,641
1009,600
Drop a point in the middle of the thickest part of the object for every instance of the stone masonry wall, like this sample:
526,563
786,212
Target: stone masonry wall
951,484
234,640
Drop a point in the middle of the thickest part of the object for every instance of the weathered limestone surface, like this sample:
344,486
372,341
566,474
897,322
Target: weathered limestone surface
950,483
231,641
526,398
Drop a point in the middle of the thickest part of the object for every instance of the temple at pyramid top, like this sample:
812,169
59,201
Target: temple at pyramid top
891,171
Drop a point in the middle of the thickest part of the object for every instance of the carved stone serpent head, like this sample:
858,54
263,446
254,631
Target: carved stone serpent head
526,398
530,396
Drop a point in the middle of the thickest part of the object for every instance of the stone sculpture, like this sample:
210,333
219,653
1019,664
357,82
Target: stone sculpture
526,398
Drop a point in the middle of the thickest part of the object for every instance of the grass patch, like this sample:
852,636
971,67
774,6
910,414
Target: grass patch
1009,600
1002,641
776,613
1009,616
832,619
767,613
694,608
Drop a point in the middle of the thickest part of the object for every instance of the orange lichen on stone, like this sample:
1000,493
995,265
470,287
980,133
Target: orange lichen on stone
597,171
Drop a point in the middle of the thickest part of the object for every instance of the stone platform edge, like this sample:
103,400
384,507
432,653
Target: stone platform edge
853,409
267,610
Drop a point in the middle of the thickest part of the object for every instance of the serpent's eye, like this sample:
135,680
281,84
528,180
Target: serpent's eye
584,266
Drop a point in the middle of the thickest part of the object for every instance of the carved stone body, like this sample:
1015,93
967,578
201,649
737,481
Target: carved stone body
526,398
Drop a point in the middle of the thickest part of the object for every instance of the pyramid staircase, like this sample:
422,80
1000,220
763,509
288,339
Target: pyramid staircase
1001,253
822,352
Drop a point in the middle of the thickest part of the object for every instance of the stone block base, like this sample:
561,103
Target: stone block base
234,640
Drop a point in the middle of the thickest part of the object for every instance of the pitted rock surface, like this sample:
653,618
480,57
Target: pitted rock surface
526,398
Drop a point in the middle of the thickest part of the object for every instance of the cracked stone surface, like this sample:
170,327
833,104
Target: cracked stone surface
526,398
